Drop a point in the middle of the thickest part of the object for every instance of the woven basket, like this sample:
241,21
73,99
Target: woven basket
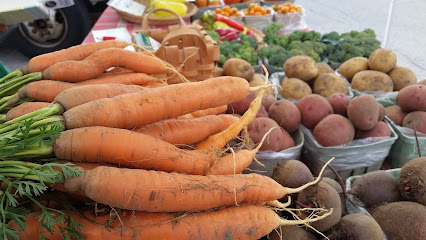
192,9
188,48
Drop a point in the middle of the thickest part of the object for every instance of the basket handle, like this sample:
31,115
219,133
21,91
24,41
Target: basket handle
146,17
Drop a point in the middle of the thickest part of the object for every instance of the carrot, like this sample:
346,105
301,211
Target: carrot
25,108
205,112
146,107
219,140
116,70
79,52
180,131
100,61
43,90
123,78
155,84
156,191
245,222
82,94
128,149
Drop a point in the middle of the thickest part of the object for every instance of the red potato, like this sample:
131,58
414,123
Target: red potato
286,114
412,98
363,112
382,112
262,112
259,127
339,102
415,120
380,130
241,106
312,109
287,141
334,130
396,114
268,100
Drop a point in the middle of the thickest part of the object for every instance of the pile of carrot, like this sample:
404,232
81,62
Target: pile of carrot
157,156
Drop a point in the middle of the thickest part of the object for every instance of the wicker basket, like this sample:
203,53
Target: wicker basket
192,9
188,48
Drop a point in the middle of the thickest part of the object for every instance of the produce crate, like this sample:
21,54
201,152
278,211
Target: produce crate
356,158
3,70
405,147
351,208
384,98
278,76
272,159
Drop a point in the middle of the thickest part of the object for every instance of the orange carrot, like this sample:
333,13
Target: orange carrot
155,84
219,140
116,70
43,90
79,52
129,149
25,108
204,112
245,222
82,94
146,107
100,61
181,131
157,191
123,78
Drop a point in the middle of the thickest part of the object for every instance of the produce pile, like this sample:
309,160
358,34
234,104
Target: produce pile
63,165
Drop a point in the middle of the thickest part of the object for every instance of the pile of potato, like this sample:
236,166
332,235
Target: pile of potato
410,110
338,120
304,76
378,73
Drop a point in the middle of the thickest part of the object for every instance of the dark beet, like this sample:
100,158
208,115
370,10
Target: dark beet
412,180
356,226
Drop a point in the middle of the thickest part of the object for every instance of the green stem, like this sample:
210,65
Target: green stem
2,118
14,74
20,79
54,109
4,100
18,163
28,176
11,137
32,151
15,84
49,120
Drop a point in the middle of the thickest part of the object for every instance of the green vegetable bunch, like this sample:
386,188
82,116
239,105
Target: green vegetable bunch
307,48
275,54
236,49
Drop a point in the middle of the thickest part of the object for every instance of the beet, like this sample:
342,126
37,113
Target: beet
375,188
356,226
291,233
292,174
412,180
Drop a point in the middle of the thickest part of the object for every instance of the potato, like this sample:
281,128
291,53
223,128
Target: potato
423,82
259,127
370,80
312,109
287,141
415,120
238,68
363,111
395,114
339,102
334,130
286,114
258,80
241,106
382,60
323,68
380,130
301,67
412,98
352,66
294,88
382,112
262,112
328,84
218,72
402,77
268,100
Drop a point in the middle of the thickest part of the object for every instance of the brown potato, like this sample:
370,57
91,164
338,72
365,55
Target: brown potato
363,111
238,68
259,80
402,77
382,60
370,80
423,82
412,98
294,88
328,84
218,72
323,68
301,67
352,66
